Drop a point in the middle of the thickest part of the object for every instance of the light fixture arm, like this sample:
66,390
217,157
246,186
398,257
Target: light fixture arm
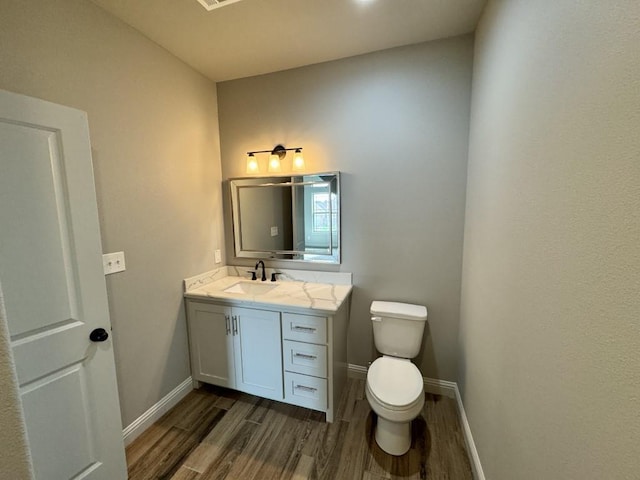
279,150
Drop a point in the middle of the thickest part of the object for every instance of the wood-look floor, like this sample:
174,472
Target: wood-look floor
215,433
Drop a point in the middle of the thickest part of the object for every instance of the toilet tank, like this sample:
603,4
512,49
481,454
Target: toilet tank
398,328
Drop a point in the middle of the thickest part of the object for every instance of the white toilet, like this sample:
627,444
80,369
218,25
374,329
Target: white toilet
395,387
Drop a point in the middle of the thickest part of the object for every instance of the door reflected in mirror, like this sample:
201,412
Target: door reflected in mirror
287,217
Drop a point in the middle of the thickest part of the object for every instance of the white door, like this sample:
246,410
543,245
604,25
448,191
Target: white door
55,293
258,352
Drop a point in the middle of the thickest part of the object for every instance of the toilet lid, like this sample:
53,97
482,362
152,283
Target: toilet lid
395,381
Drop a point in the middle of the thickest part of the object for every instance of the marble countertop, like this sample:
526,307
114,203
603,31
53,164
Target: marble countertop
326,297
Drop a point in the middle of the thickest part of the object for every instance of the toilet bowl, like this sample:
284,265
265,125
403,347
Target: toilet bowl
395,388
396,394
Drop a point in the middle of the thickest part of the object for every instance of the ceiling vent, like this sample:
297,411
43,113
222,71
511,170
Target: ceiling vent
212,4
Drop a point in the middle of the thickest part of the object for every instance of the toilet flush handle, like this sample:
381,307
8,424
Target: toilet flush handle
376,319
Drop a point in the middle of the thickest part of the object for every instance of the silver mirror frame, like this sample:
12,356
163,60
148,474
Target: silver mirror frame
333,252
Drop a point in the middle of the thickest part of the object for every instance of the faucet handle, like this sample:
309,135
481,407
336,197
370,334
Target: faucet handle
273,276
253,274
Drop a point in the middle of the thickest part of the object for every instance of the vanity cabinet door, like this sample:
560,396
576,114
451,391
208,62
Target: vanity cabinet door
211,344
258,352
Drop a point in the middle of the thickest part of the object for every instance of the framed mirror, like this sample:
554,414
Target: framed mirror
287,217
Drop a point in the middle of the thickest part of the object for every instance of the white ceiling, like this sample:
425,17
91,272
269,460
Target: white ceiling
252,37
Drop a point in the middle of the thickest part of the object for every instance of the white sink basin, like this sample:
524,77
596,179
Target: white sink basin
250,288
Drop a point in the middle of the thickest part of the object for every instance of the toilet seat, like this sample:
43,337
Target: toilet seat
395,383
394,409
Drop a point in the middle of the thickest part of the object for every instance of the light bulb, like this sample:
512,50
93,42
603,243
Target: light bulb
274,163
298,161
252,164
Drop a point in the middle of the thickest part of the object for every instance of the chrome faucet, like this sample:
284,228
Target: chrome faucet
264,275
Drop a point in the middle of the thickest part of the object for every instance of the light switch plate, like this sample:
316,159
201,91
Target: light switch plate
218,256
274,231
113,263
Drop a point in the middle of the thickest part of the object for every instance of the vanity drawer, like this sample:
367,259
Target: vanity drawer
305,358
304,328
305,391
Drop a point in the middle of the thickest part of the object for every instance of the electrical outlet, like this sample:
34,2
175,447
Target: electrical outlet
274,231
218,256
113,263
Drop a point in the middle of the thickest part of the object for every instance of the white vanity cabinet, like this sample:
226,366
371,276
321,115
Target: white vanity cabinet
294,355
304,350
238,348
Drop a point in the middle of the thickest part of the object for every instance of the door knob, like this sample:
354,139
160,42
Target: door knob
98,335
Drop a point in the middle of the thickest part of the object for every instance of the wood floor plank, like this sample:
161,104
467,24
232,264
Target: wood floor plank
446,448
285,454
257,451
354,393
142,445
192,413
222,435
190,402
372,476
173,418
277,460
225,403
184,473
260,410
325,445
216,434
356,451
418,452
167,455
235,451
227,398
402,468
303,468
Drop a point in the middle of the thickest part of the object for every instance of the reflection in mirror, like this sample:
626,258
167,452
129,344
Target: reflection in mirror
287,218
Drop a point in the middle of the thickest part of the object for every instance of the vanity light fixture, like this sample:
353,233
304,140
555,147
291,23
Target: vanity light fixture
252,163
275,159
298,161
274,162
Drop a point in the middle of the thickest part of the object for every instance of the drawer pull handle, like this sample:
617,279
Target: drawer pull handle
304,355
304,387
304,329
226,317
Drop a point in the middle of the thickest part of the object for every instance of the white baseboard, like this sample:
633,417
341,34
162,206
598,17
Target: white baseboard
447,389
144,421
356,371
440,387
476,466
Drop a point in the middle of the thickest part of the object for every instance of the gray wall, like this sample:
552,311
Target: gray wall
395,123
551,279
154,133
